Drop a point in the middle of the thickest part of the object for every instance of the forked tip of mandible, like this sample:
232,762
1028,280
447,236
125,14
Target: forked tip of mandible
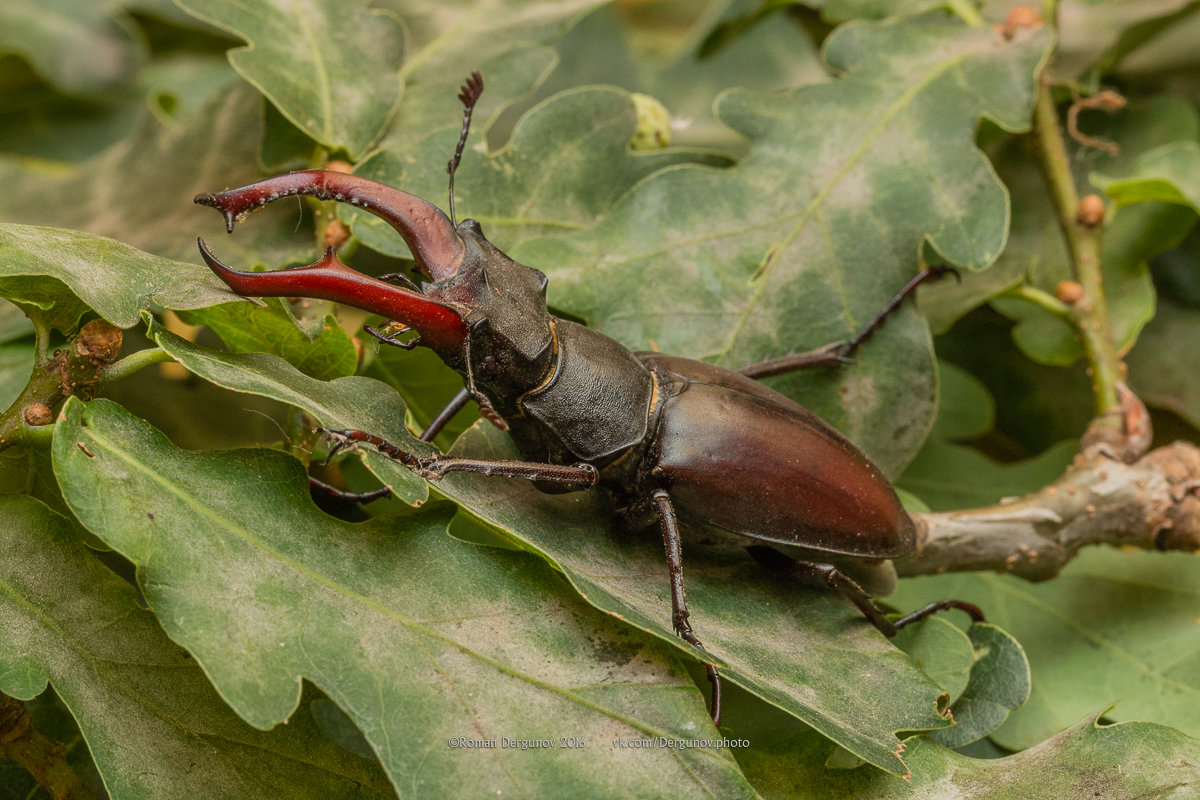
217,200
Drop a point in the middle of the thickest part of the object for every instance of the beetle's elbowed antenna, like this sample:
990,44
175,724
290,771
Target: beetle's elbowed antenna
469,95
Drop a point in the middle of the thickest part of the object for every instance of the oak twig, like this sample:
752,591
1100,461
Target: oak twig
1111,494
41,756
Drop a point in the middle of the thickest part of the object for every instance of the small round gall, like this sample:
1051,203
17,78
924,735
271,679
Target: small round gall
36,414
1020,18
99,341
1090,211
1068,292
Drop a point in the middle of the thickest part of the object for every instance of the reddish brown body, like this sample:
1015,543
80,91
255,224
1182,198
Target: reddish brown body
739,456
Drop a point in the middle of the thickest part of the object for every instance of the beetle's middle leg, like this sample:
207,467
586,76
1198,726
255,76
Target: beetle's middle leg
451,408
836,354
679,613
435,466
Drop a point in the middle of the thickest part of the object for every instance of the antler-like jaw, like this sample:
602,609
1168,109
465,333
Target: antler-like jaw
441,327
436,247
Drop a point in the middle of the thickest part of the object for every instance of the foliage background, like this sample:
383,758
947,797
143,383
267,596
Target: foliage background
168,601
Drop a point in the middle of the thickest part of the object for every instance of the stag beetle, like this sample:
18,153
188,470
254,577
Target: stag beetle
667,436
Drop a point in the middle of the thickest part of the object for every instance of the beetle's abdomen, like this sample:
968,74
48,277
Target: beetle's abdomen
739,456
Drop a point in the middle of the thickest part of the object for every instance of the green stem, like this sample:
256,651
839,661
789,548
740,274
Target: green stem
44,758
1090,314
1040,298
133,362
966,11
41,339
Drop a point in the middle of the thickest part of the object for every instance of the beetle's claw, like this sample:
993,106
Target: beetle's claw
941,270
339,442
840,353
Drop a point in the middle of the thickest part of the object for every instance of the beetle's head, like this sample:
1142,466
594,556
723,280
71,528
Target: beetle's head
482,312
511,339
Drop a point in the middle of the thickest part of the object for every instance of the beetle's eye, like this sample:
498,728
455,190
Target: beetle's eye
489,365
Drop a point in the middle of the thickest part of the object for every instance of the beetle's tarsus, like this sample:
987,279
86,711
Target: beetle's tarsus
972,610
390,338
402,278
318,487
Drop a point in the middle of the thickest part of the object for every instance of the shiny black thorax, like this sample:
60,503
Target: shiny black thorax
567,393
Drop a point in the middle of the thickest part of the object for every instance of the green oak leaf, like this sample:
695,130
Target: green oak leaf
1086,761
13,323
566,164
984,669
807,237
1167,174
140,190
79,46
16,362
352,402
1163,372
419,637
1037,253
507,40
321,350
999,683
1113,626
65,272
155,726
806,650
767,52
947,474
296,55
838,11
940,650
1162,45
44,125
1098,35
1134,236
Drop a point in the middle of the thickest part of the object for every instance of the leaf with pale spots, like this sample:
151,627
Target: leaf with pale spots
297,57
807,237
421,638
144,707
805,650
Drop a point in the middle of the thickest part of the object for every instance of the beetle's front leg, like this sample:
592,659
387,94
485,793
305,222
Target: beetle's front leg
679,613
434,467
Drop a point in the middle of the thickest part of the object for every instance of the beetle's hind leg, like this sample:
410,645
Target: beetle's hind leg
811,573
679,613
836,354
